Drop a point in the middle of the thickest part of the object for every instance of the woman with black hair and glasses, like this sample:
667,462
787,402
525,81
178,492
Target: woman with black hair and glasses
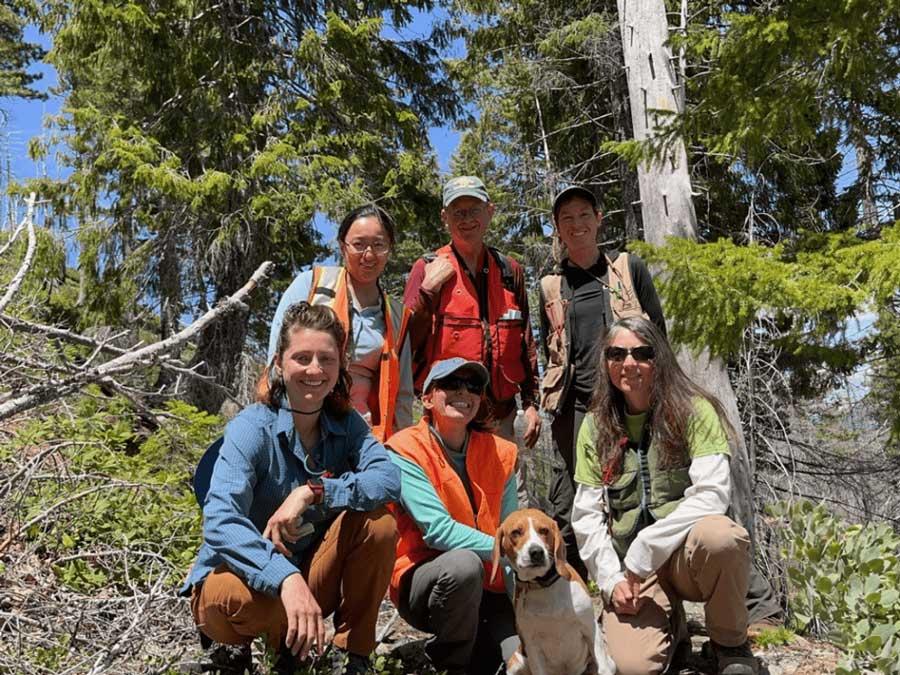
295,525
458,484
653,485
375,323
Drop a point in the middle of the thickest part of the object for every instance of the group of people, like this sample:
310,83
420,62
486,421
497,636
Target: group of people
325,494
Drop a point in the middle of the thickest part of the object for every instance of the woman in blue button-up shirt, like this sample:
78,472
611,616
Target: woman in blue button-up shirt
294,522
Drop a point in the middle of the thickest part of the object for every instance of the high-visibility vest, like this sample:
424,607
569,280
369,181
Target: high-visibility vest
623,302
329,287
458,330
490,460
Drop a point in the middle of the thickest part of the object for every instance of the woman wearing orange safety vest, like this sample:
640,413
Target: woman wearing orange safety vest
378,345
457,485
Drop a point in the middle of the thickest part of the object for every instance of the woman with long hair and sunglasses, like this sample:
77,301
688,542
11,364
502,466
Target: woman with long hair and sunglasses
294,523
458,484
380,363
653,486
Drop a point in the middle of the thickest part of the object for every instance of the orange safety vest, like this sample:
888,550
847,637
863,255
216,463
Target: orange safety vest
329,287
458,330
490,460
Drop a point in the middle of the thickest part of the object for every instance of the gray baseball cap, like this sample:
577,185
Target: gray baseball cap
447,367
573,191
465,186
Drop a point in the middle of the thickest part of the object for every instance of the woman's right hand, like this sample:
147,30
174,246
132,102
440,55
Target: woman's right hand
437,273
305,626
284,525
624,598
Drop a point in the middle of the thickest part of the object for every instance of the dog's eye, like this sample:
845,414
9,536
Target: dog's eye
516,533
544,531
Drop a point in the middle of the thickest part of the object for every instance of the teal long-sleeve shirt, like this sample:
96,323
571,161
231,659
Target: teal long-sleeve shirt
439,529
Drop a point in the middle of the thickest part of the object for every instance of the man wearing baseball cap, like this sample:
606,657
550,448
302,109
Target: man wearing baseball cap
458,483
583,295
469,300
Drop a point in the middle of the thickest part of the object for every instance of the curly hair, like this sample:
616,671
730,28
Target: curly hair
312,317
671,402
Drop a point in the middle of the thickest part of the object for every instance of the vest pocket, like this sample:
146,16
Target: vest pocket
509,350
624,494
459,336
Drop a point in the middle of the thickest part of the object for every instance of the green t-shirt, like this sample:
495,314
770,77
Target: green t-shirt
705,434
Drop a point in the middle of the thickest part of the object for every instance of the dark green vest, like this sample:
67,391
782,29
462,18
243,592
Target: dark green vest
644,493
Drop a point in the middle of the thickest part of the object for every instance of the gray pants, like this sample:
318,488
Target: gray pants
441,596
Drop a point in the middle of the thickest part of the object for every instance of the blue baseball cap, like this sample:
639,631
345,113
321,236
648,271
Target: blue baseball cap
447,367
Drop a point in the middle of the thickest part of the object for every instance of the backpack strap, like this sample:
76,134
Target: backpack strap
506,270
623,300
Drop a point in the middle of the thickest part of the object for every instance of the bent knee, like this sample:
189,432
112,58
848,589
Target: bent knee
720,537
461,569
378,525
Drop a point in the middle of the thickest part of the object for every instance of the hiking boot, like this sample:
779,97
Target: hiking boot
346,663
224,660
734,660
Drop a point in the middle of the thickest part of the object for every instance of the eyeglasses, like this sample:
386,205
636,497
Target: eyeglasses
463,214
640,354
360,248
455,383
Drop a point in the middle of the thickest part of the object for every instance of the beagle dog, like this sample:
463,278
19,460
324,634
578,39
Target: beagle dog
554,614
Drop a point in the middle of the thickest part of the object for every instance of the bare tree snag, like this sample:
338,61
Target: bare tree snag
57,388
665,187
28,223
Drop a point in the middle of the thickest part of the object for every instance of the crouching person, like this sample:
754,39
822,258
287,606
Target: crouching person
294,524
458,486
653,485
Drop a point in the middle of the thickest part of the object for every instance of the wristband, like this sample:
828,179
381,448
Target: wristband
318,489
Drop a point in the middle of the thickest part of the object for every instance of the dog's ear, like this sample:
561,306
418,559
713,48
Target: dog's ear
498,550
559,551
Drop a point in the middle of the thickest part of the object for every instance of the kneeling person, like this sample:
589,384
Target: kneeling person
653,485
458,483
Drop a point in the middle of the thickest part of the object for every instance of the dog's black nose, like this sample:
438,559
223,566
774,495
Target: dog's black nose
536,555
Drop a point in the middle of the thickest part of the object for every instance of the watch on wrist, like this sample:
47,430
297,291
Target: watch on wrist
318,489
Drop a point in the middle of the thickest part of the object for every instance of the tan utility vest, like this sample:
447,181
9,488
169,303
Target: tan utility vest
623,302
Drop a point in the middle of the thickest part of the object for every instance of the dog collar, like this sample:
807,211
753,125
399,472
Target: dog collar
548,579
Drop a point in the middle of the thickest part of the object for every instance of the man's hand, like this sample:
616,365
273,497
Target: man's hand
437,273
284,525
305,626
626,596
532,426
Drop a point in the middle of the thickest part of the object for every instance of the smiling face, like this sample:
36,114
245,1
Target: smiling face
467,218
366,249
577,223
310,364
632,377
451,407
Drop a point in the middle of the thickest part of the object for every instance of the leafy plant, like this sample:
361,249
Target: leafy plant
845,583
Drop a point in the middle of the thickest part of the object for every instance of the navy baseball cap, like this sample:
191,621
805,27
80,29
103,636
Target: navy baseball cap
457,364
465,186
573,191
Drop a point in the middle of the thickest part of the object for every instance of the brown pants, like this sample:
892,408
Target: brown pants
347,571
712,566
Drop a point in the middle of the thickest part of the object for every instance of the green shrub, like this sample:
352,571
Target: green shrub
844,582
136,518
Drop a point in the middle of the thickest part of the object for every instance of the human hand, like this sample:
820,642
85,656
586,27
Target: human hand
624,601
284,525
532,426
305,626
437,273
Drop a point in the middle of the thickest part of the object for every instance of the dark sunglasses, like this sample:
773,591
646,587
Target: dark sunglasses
455,383
640,354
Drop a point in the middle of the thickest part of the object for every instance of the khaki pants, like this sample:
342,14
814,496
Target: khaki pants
713,567
347,571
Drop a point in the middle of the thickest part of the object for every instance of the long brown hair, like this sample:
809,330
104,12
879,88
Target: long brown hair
671,402
312,317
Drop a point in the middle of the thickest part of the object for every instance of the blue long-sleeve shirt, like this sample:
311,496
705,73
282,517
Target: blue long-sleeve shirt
260,463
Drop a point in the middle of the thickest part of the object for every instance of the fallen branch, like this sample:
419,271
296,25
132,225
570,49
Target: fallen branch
29,254
51,391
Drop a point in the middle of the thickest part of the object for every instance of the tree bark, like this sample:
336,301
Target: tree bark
667,208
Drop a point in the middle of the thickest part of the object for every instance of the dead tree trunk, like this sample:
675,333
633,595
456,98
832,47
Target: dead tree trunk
667,208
